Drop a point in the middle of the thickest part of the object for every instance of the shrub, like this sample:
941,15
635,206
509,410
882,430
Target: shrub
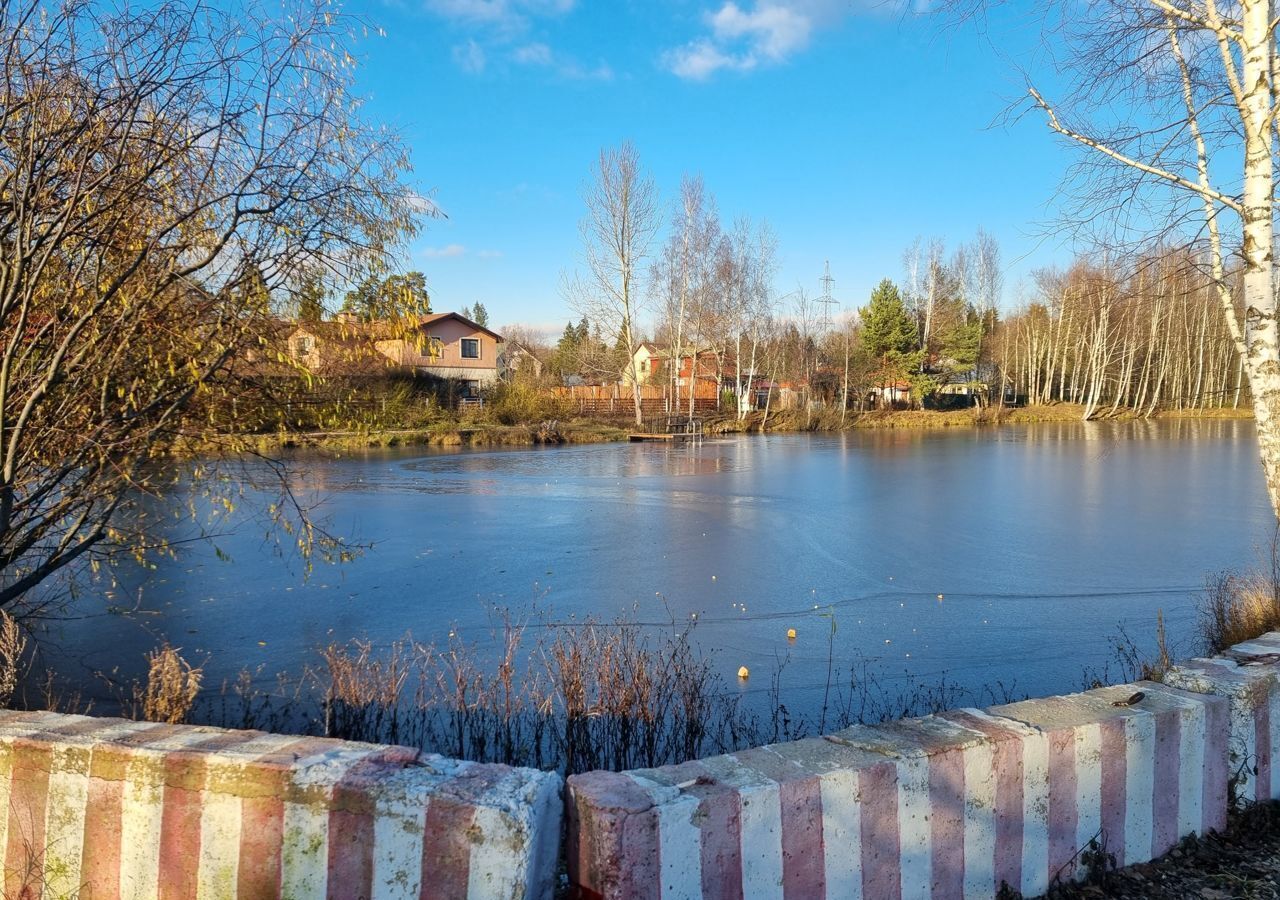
514,403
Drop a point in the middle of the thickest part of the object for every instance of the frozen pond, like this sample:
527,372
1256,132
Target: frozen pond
1040,539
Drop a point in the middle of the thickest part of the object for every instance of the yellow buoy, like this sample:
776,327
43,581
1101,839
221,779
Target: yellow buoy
791,634
743,672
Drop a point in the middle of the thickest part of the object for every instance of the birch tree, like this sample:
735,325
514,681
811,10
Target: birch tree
1174,104
617,233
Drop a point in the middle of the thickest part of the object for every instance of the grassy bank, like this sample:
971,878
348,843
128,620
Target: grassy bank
448,434
463,432
830,420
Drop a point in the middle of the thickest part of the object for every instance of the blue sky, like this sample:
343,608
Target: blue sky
851,126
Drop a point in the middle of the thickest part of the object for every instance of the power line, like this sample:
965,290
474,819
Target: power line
826,301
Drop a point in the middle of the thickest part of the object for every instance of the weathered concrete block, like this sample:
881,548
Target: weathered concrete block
1248,675
1134,778
939,807
905,809
110,808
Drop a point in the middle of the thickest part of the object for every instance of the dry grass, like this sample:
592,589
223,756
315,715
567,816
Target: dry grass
579,696
1238,608
171,689
1235,607
13,646
569,696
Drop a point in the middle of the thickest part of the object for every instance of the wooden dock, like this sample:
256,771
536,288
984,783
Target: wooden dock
655,436
675,430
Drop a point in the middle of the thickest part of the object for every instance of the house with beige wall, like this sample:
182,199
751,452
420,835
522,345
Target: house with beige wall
447,345
444,345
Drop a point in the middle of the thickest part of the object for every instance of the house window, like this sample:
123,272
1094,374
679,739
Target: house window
435,347
470,348
303,345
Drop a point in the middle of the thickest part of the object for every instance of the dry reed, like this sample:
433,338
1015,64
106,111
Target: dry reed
171,689
1237,608
13,645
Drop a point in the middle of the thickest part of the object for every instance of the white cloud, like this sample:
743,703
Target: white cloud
505,15
742,37
772,30
701,59
541,55
449,251
469,57
490,254
533,55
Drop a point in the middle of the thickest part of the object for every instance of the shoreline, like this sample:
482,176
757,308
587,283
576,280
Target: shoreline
588,431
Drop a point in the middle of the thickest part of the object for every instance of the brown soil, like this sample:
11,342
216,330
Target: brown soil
1242,862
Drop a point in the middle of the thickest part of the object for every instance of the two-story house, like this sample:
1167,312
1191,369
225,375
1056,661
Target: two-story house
444,345
447,345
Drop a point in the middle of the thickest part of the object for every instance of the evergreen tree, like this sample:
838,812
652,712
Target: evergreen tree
961,343
393,297
888,330
311,296
480,315
465,312
564,360
253,289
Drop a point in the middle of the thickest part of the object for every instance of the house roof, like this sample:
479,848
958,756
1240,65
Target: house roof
436,317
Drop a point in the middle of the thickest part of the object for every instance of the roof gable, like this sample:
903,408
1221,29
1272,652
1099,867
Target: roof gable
436,317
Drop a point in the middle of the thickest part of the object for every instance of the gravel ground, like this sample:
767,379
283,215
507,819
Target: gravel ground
1242,862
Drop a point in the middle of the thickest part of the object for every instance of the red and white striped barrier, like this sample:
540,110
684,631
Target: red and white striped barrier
106,808
1249,676
941,807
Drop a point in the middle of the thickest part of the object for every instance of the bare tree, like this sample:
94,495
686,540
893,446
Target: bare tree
162,168
750,302
617,232
1175,103
682,279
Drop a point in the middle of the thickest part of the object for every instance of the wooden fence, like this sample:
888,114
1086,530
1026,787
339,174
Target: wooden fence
616,400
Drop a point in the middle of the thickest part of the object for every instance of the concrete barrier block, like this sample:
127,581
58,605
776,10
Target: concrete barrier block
1248,676
867,812
110,808
938,807
1134,777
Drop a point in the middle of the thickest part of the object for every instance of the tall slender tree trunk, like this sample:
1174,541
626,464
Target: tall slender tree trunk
1262,339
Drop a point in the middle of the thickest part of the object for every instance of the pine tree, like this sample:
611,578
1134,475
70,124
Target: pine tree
311,297
888,330
480,315
393,297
